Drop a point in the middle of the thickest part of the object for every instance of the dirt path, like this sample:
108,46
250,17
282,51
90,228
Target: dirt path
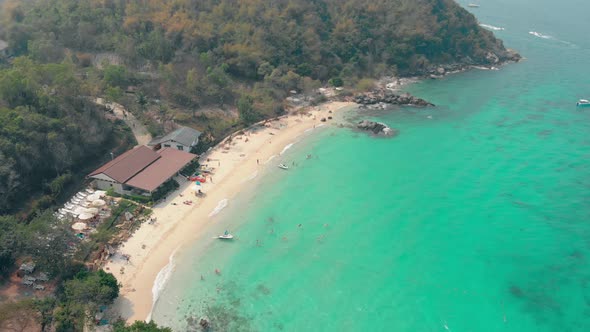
142,135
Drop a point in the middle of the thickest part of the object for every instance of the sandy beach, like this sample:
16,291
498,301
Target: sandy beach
234,161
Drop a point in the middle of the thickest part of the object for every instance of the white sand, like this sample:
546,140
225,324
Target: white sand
151,245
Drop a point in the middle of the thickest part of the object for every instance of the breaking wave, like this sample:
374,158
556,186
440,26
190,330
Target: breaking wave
287,147
491,27
161,280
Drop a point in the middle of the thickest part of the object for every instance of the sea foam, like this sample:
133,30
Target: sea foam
540,35
287,147
220,206
491,27
161,280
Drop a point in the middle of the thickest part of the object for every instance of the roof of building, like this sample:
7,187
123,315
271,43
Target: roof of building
158,172
128,164
182,135
144,168
3,45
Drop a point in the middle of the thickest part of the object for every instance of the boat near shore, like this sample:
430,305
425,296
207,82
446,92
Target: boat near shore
583,103
283,166
473,5
225,236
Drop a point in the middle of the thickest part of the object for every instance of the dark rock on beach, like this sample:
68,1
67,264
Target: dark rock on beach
389,97
376,128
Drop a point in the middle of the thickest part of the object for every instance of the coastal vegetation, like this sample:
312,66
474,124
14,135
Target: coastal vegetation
217,65
240,57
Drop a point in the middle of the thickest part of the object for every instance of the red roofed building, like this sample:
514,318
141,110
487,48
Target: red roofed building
141,170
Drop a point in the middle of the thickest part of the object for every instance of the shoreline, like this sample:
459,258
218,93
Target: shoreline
234,160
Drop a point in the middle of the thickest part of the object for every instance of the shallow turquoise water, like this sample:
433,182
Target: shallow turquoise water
474,220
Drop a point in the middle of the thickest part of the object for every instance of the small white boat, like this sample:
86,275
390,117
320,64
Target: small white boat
583,103
225,236
283,166
473,5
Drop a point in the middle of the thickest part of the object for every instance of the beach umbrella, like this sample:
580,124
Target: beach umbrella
100,193
98,203
85,216
93,197
79,226
79,210
93,211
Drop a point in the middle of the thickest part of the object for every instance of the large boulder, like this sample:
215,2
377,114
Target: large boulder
376,128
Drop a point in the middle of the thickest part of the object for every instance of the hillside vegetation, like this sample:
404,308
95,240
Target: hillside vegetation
201,50
240,56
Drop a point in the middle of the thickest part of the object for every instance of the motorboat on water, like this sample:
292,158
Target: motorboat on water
225,236
583,103
283,166
473,5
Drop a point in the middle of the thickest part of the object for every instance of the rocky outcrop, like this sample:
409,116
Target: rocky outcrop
491,60
376,128
388,97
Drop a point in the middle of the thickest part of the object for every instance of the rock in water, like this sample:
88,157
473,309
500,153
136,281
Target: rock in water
377,128
388,97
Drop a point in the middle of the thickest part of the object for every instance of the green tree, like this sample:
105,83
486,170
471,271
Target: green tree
116,76
246,110
140,326
113,93
336,81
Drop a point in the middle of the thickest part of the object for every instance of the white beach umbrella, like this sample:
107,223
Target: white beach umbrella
79,226
93,197
93,211
85,216
100,193
79,210
98,203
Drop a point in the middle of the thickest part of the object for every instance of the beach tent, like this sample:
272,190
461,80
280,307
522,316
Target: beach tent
79,226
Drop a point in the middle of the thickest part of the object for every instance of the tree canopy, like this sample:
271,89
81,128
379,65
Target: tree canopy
46,130
203,52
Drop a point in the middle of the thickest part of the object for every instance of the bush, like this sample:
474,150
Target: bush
365,84
191,168
336,82
167,187
139,199
111,192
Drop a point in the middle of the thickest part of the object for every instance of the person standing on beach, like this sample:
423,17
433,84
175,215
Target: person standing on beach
257,162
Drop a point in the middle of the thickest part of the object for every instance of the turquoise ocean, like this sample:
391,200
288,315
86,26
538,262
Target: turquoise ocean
475,218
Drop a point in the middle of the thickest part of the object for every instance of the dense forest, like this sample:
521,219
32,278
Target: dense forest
47,132
240,56
196,53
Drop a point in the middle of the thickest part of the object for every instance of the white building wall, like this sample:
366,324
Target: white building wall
174,144
106,185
